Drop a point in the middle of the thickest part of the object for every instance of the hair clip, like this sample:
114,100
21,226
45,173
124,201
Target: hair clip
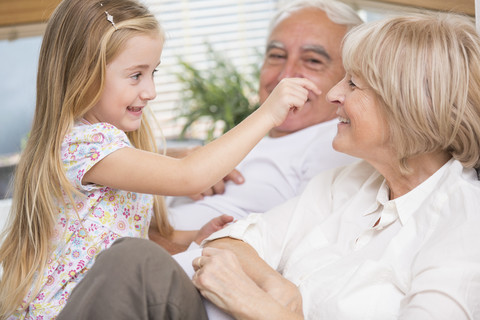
110,18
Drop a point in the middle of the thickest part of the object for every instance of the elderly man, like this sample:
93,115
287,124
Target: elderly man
301,43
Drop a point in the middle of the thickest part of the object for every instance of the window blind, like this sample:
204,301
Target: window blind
236,29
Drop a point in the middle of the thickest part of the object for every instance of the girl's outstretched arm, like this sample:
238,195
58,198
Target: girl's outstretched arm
140,171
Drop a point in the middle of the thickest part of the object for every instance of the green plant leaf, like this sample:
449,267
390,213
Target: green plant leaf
219,93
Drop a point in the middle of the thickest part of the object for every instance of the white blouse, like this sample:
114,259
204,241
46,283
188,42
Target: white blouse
421,261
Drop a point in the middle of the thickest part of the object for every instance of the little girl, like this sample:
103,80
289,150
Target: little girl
90,168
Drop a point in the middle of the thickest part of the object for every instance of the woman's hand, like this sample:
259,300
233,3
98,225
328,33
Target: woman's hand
284,292
221,279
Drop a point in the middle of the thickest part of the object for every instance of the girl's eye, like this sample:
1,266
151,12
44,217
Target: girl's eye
351,84
154,71
136,76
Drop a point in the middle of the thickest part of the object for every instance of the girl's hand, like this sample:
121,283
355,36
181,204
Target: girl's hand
212,226
290,94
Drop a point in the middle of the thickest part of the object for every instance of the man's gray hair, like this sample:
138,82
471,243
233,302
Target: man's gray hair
338,12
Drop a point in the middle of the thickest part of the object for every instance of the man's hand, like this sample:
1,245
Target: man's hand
219,187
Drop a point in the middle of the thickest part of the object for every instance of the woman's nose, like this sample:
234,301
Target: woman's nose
335,94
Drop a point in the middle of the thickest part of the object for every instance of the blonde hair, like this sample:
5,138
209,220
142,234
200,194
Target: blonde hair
78,44
424,68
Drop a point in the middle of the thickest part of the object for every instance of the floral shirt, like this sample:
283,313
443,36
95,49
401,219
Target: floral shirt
104,214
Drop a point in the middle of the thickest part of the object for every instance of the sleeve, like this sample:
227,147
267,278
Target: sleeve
256,230
276,233
85,146
446,272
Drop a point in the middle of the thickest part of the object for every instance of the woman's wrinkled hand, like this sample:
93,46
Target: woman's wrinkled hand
221,279
284,292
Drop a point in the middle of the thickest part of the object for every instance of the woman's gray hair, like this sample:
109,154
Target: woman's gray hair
338,12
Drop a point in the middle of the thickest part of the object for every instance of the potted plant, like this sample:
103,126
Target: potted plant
220,94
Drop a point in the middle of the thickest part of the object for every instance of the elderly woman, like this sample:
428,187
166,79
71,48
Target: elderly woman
395,236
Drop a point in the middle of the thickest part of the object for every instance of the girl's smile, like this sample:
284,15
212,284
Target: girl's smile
135,110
